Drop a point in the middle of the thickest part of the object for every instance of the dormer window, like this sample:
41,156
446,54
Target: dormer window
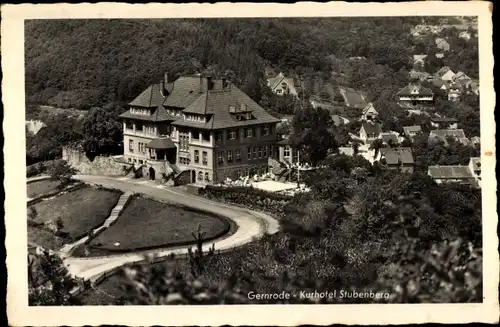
238,117
232,109
248,115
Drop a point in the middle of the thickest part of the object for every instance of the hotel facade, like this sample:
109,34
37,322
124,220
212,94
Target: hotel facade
204,129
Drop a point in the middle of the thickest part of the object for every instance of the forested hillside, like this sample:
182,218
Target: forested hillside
82,63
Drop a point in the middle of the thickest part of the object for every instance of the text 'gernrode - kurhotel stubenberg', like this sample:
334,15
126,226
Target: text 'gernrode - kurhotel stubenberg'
203,128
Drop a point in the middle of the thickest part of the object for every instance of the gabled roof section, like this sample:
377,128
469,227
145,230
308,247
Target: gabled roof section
394,156
412,129
149,98
369,108
450,172
415,89
371,128
161,143
215,104
159,114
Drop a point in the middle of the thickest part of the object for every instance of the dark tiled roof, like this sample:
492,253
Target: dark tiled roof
386,137
149,98
442,71
443,120
412,129
371,128
216,103
286,141
163,143
451,172
185,90
368,107
394,156
160,114
407,90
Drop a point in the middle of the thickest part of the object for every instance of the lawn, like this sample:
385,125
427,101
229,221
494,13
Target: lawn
147,224
39,188
80,211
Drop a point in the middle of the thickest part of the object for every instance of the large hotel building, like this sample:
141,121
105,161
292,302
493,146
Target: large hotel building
203,129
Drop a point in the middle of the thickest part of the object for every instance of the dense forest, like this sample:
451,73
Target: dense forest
85,63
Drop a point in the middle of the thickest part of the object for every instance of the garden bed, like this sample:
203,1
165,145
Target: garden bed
79,211
41,187
147,224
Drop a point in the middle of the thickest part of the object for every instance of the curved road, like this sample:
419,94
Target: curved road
251,225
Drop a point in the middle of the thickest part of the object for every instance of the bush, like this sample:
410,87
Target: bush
248,197
40,167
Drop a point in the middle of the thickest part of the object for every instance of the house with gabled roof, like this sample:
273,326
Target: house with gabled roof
444,122
389,138
445,74
412,131
369,132
202,129
444,134
281,85
400,158
369,112
451,174
415,93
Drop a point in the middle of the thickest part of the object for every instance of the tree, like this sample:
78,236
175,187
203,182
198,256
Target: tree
376,145
49,282
62,171
311,133
102,130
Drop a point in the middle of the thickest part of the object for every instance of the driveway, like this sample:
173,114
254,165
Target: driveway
251,225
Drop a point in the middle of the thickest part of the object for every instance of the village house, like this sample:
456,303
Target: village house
411,131
400,159
444,135
445,74
464,35
454,92
475,168
369,132
419,62
369,112
444,123
442,44
415,93
452,174
389,139
203,129
439,55
282,85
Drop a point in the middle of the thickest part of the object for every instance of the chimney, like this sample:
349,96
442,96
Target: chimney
162,88
209,82
165,78
224,82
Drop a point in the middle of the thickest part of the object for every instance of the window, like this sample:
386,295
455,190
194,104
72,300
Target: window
129,125
129,160
195,134
206,136
271,151
249,153
229,155
207,177
287,151
135,160
205,158
238,173
255,152
196,156
131,145
260,152
220,157
232,135
152,153
249,132
265,130
141,147
141,162
279,91
200,176
218,136
265,151
238,154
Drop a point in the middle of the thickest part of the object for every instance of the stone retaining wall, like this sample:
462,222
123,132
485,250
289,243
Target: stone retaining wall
107,166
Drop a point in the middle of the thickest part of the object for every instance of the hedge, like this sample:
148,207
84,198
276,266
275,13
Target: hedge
40,167
248,196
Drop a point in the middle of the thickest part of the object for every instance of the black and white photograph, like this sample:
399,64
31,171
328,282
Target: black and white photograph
312,160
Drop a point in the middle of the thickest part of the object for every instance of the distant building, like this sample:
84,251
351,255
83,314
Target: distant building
475,140
451,174
390,139
461,76
442,44
445,73
415,93
369,112
444,134
411,131
397,158
282,85
286,153
440,55
464,35
369,132
454,92
444,123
